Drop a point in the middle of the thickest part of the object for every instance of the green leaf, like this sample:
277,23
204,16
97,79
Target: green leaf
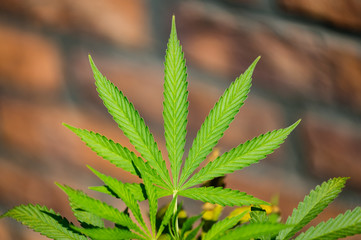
98,208
343,225
188,224
152,201
121,190
138,191
221,196
312,205
167,216
242,156
86,218
218,229
175,104
260,216
192,234
109,150
217,122
108,233
254,230
45,221
132,125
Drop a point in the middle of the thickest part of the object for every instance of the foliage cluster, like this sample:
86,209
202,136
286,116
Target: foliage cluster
250,221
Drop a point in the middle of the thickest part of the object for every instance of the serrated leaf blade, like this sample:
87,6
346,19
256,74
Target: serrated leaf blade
136,189
344,225
220,228
152,202
45,221
123,192
312,205
175,104
242,156
106,148
109,233
98,208
130,122
217,122
253,230
221,196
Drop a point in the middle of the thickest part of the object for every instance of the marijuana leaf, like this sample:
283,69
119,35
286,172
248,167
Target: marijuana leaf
312,205
45,221
254,230
221,196
343,225
219,228
98,208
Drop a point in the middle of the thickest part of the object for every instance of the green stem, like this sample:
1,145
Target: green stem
174,212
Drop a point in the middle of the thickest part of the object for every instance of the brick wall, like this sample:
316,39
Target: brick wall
310,69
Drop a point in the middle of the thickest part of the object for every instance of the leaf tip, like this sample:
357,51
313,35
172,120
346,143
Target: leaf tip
92,64
61,186
293,126
68,126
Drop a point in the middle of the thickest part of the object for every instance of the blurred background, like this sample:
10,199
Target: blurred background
310,69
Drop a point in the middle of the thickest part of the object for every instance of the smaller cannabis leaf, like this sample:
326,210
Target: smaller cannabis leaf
343,225
44,220
313,204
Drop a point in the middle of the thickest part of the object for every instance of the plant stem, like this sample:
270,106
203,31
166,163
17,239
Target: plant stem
175,212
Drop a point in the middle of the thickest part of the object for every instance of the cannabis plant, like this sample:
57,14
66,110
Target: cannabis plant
183,179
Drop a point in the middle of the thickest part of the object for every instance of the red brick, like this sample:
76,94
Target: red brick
123,22
4,231
36,131
347,75
22,186
296,61
141,82
333,148
344,14
28,61
223,44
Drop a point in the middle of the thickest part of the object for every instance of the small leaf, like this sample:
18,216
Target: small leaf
192,234
167,216
221,196
175,104
217,122
152,201
108,233
132,125
220,228
187,225
122,191
45,221
312,205
254,230
98,208
344,225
